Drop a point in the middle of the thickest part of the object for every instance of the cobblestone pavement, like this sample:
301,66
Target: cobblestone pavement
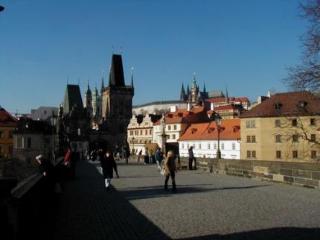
206,206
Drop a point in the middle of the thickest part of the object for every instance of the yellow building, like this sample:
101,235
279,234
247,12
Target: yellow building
285,127
7,126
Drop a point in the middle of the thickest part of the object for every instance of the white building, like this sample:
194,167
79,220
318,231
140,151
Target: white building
204,139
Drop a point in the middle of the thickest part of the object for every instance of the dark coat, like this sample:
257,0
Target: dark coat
108,164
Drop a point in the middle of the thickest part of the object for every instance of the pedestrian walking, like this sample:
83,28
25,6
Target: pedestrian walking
169,166
192,159
139,155
159,158
108,164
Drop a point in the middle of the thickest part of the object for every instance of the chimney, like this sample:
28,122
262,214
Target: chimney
173,108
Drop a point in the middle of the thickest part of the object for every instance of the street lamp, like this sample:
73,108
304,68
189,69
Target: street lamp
217,118
163,135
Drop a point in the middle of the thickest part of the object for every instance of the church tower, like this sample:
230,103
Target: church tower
117,101
88,101
194,90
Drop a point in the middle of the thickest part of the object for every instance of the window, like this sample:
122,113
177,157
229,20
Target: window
215,146
248,154
250,124
175,127
294,122
233,146
278,154
168,136
277,123
295,138
10,134
253,154
294,154
278,138
200,146
140,132
313,154
169,127
173,136
131,132
182,146
20,142
251,139
208,145
150,131
312,121
313,137
222,146
146,132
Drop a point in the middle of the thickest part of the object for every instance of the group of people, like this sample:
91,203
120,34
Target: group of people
167,164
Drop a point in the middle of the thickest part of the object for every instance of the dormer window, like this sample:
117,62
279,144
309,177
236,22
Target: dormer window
278,106
302,104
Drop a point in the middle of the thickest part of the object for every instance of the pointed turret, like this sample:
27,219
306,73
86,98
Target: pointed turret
116,77
227,96
204,88
182,93
102,85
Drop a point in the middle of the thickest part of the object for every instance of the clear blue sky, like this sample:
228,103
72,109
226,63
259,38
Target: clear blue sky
245,45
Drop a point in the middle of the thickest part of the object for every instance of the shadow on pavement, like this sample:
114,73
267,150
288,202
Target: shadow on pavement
288,233
158,191
88,211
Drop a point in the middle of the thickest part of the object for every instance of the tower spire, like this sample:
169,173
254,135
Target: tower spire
102,85
132,68
182,93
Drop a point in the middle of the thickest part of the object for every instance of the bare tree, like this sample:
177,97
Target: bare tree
306,76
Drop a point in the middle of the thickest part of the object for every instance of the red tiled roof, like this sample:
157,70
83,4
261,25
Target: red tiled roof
196,114
6,119
230,130
286,104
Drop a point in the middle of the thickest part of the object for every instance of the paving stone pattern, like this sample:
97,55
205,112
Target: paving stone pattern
206,206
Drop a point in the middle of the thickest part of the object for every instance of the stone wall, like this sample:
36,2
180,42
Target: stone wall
302,174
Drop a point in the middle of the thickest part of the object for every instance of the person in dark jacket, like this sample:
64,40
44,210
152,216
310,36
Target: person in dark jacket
108,164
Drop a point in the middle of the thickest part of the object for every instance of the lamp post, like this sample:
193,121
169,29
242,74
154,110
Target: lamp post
217,118
163,135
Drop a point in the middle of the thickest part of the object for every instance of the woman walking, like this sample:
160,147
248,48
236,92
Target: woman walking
170,170
108,164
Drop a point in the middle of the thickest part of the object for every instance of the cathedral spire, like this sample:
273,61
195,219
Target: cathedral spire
204,88
227,95
102,85
182,93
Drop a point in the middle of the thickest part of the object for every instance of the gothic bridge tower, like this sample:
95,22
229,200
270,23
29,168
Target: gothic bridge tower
117,101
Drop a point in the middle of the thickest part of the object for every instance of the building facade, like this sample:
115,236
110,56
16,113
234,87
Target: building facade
140,134
204,139
7,125
284,127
